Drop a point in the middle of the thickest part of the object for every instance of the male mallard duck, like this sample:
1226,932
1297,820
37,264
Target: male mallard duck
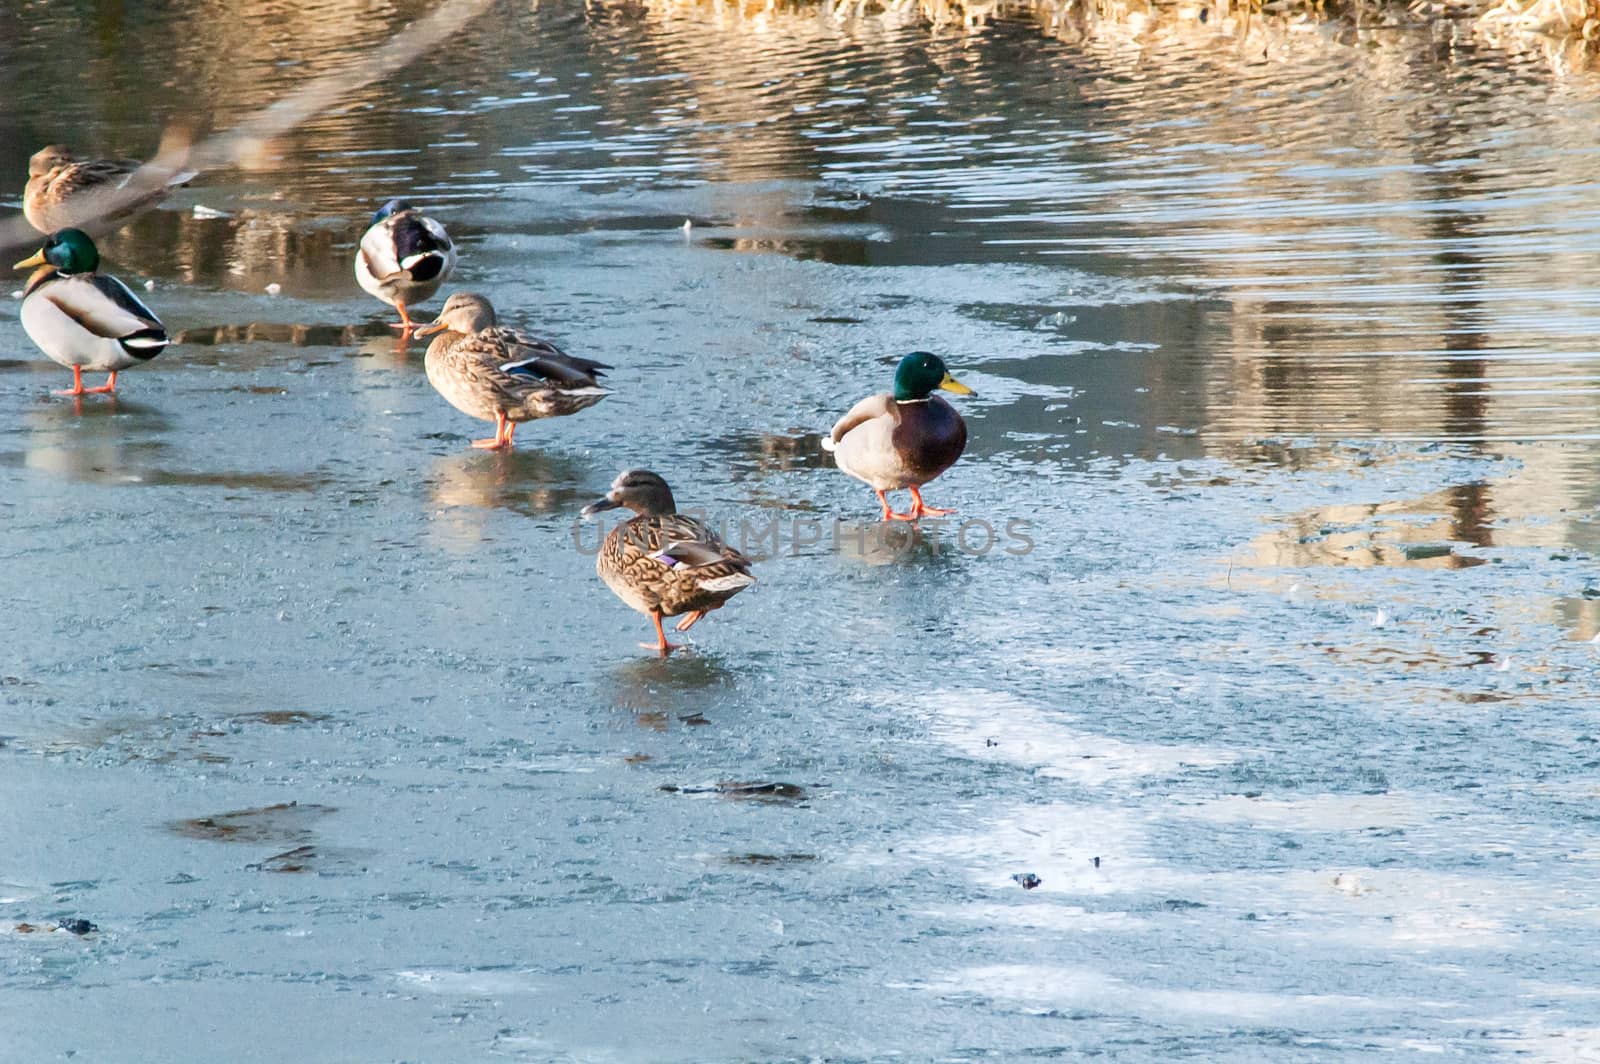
903,440
661,562
498,374
405,256
61,190
83,319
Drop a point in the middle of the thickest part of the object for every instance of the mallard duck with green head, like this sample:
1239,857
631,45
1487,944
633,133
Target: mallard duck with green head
661,562
84,319
497,374
404,257
904,438
64,191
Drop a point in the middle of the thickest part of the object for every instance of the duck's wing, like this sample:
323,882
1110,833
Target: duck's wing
687,554
873,406
104,306
686,541
77,178
481,358
378,250
543,361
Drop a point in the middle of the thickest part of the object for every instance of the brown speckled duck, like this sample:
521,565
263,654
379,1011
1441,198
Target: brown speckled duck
62,190
497,374
661,562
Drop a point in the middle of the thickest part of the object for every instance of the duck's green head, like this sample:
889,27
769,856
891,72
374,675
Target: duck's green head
389,210
920,374
70,251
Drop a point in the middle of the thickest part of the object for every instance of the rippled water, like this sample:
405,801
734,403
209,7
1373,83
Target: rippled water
1283,688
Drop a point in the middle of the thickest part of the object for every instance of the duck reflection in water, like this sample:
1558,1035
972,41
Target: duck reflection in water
112,441
662,691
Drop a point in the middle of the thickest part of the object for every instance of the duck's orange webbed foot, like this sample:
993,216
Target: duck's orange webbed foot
661,646
888,511
109,387
922,509
77,384
503,431
689,621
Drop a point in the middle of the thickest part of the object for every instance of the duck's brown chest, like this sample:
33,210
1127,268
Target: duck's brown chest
929,438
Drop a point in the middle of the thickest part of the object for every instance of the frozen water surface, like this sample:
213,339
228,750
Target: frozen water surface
1278,674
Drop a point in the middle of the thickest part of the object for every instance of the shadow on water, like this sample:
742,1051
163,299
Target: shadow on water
940,546
294,334
769,452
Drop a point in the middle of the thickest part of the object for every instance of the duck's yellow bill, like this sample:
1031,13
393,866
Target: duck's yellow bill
950,384
37,260
429,329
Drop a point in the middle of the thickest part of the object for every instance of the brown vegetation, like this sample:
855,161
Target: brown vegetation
1561,20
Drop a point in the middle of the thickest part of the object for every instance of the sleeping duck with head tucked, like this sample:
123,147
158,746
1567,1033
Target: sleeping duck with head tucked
403,259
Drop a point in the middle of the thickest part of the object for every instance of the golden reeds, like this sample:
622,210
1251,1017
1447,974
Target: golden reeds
1565,20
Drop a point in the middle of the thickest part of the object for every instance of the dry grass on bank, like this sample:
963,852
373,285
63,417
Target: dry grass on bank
1558,20
1548,18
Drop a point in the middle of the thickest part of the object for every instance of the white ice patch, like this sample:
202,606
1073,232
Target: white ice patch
992,725
1058,843
1055,988
1325,812
468,983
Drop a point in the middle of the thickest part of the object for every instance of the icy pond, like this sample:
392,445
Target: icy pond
1264,638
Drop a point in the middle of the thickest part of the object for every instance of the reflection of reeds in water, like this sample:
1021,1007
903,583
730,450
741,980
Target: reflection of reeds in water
1362,535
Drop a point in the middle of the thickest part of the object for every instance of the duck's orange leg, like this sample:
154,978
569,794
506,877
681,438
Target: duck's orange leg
405,324
109,386
77,384
922,509
888,511
660,646
689,621
501,439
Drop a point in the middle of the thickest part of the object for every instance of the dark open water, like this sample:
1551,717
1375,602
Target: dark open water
1284,353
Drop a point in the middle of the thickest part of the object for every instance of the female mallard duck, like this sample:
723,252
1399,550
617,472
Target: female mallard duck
905,439
404,257
63,191
661,562
497,374
83,319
